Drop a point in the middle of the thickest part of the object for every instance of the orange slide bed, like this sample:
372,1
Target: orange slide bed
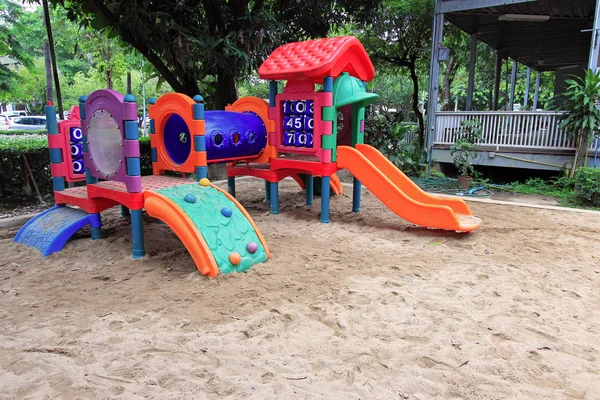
402,195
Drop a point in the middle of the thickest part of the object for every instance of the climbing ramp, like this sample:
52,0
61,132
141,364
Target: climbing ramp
215,229
51,230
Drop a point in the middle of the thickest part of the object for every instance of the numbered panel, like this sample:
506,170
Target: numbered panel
76,136
298,123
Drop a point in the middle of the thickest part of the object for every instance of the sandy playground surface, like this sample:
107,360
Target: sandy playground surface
368,307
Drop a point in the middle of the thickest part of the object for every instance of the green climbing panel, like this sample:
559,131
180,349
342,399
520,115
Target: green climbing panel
207,208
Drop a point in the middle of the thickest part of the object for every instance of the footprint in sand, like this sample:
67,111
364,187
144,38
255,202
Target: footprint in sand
115,326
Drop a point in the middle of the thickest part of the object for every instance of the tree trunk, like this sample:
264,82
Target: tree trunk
582,148
53,58
108,74
415,103
448,77
48,65
128,81
226,92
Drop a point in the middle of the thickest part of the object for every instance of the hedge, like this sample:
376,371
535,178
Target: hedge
35,148
17,132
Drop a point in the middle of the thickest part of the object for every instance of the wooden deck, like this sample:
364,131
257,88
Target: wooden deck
519,139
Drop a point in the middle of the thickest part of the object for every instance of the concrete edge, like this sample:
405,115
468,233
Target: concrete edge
507,203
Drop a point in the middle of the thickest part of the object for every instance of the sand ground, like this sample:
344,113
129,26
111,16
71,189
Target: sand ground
367,307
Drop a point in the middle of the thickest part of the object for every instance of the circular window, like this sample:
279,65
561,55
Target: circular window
105,143
177,138
217,138
235,138
251,136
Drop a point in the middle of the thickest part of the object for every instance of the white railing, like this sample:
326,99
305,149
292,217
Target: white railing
521,129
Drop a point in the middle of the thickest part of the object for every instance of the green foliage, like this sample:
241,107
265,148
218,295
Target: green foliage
582,118
465,147
206,47
587,186
396,38
394,140
560,187
23,143
16,132
10,46
581,99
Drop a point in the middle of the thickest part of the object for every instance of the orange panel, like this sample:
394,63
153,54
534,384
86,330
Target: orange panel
261,108
167,105
161,207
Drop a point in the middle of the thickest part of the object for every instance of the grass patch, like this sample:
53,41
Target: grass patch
562,189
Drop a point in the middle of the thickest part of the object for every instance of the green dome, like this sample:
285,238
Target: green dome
350,90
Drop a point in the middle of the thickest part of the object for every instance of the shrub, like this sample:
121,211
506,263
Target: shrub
398,142
16,132
465,147
587,185
35,148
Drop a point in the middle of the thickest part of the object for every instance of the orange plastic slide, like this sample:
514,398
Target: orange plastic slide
401,195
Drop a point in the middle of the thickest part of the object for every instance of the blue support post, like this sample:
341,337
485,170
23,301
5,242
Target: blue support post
356,189
272,93
137,234
310,189
124,211
82,101
267,191
328,84
96,224
56,157
199,138
325,198
201,172
274,195
231,185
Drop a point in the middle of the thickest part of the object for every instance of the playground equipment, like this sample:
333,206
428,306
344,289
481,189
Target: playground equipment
301,133
218,233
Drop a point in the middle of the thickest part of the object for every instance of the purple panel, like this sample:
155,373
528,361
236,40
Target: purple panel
222,127
112,101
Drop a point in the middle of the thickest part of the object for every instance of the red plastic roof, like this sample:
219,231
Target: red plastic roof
315,59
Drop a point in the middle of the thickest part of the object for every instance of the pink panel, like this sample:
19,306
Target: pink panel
320,99
113,102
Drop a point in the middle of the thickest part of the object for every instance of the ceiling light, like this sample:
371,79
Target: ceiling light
524,17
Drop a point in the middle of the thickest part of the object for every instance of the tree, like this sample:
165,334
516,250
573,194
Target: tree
399,37
9,45
207,46
582,118
459,44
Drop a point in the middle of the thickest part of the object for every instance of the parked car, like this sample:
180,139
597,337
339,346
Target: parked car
29,123
4,122
15,113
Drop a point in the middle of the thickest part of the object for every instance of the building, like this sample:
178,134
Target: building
543,35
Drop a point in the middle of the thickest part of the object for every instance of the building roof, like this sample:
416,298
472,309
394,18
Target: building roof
315,59
545,45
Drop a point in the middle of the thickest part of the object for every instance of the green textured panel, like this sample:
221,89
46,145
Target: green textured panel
223,235
361,138
328,142
329,114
